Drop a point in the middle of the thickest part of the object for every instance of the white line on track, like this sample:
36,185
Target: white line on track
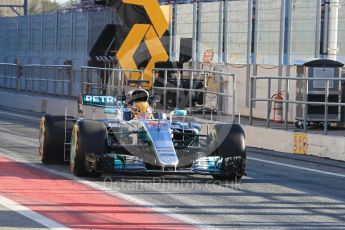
22,116
24,211
297,167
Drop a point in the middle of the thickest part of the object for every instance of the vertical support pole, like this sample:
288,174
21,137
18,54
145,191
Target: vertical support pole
220,32
26,79
81,80
194,35
288,39
325,123
325,29
204,95
70,79
72,35
318,30
269,103
333,29
173,29
287,97
191,92
120,83
25,6
225,31
46,78
198,32
281,43
251,101
219,97
249,48
178,89
165,89
233,98
305,106
153,81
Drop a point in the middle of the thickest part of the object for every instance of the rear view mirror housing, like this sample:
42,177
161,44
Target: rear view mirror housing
121,97
155,98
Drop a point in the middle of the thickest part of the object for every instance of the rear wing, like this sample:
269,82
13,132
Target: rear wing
102,101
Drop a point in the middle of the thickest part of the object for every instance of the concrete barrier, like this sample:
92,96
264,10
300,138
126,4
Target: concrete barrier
49,105
332,147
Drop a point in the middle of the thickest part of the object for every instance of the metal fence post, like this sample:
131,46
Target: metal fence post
165,91
190,93
251,101
287,104
178,89
153,81
233,97
326,108
219,98
269,102
70,79
305,106
81,80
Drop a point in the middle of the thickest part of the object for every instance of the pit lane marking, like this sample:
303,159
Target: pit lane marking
36,217
22,116
12,156
297,167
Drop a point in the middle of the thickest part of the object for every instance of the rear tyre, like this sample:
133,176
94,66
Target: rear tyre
229,143
228,140
87,143
52,138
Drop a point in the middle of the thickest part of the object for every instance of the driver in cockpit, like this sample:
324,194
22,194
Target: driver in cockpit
138,102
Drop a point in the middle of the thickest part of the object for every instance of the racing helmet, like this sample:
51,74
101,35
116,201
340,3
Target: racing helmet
137,95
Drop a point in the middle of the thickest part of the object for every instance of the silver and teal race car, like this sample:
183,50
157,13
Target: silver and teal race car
127,141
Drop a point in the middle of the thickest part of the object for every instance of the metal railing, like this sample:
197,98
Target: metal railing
215,91
223,93
8,76
55,80
96,80
287,101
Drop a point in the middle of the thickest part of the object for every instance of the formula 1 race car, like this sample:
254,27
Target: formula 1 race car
135,139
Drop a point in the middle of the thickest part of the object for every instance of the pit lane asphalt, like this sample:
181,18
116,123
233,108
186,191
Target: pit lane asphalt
280,191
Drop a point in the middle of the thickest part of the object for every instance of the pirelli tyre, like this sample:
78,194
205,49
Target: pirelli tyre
228,142
87,142
52,138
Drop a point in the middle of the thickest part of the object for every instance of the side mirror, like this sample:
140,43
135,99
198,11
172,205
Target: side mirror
155,98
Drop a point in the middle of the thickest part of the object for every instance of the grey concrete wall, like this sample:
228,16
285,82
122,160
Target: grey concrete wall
303,29
53,38
209,33
237,32
268,31
184,24
332,147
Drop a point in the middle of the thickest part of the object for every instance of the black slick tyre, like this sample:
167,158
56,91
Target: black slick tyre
87,142
52,138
